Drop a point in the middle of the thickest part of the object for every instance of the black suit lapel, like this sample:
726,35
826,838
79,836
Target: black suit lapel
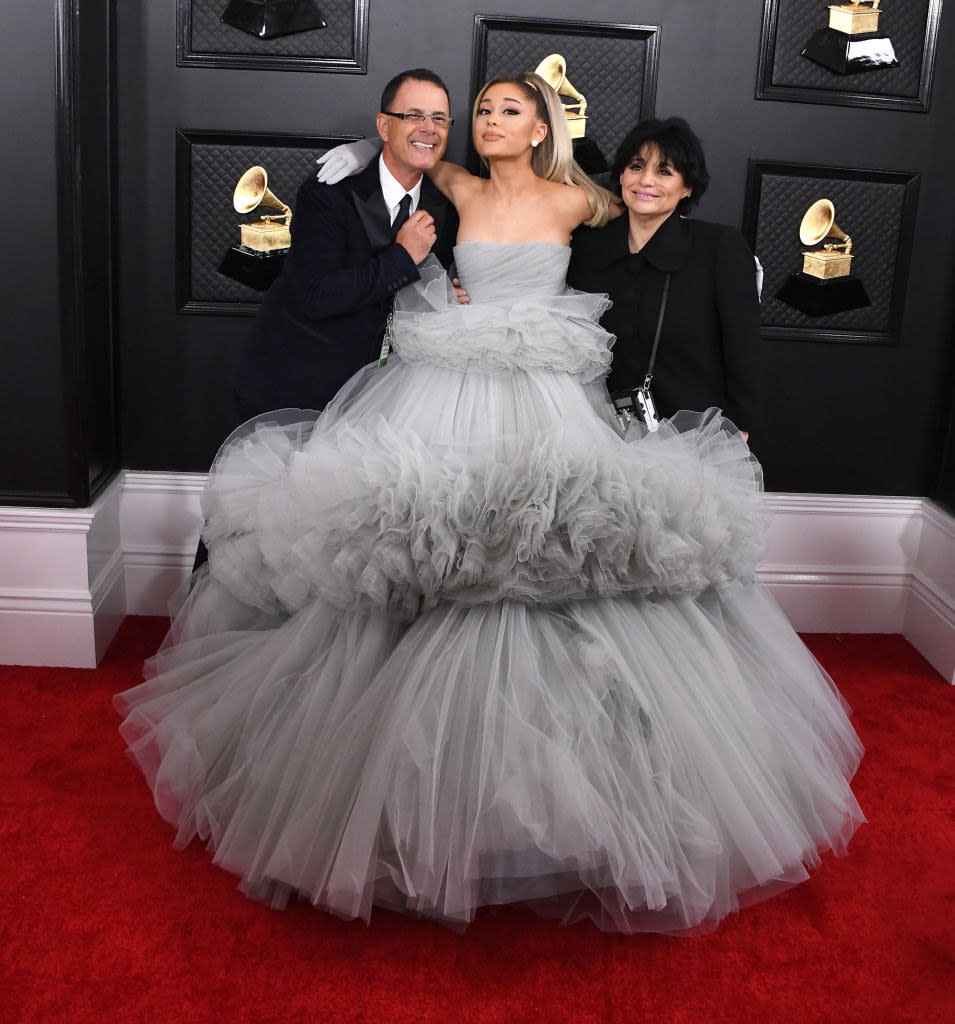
371,209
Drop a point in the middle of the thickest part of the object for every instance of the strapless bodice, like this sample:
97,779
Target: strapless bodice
494,271
522,316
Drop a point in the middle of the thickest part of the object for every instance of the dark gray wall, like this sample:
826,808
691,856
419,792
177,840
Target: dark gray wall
57,394
31,384
842,418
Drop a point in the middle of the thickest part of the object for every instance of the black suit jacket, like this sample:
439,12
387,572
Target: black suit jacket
324,317
710,350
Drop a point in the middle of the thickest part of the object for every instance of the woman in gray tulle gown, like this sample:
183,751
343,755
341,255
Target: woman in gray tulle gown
460,643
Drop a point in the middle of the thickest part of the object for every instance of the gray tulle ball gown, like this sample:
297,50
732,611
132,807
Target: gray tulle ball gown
460,644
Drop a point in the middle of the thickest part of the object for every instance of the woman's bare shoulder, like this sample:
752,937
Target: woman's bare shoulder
571,200
453,180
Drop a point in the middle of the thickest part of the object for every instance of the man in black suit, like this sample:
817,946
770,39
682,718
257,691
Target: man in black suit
354,244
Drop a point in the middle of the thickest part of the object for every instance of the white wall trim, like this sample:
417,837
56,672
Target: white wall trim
160,519
62,587
929,623
835,563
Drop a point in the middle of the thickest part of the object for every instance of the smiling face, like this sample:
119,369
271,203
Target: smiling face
410,149
651,186
506,122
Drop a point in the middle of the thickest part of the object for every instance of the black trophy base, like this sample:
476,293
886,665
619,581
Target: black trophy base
816,297
588,156
256,270
269,19
847,55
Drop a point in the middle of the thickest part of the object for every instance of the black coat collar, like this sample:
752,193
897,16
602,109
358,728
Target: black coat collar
667,251
370,205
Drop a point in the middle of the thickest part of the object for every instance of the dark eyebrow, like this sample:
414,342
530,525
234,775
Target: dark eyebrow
664,161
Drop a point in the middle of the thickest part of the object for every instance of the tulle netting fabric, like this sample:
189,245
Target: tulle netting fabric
461,644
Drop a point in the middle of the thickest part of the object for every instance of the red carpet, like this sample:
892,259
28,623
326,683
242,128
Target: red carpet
101,921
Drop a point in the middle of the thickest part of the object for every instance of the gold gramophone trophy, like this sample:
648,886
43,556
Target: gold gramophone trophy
834,259
264,234
257,260
826,284
553,69
851,42
269,19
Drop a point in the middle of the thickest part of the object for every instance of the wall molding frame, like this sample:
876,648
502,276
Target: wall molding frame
86,127
312,50
835,564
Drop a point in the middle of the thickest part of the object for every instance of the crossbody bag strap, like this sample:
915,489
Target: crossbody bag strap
656,337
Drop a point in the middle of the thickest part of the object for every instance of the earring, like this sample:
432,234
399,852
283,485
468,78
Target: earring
535,143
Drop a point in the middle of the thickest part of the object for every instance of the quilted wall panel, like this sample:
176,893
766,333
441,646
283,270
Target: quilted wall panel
870,212
904,23
210,224
206,36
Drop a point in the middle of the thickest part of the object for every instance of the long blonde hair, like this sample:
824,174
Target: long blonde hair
553,159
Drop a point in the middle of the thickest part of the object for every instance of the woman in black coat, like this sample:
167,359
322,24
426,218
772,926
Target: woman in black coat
709,348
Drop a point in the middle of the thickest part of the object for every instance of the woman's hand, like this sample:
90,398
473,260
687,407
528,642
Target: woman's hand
462,296
347,159
615,209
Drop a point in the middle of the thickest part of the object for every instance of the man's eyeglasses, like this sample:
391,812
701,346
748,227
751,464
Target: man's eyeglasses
416,117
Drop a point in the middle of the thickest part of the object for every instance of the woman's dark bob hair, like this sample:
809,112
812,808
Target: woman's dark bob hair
678,143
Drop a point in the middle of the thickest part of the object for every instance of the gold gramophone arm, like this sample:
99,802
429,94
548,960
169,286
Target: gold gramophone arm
285,215
845,244
567,89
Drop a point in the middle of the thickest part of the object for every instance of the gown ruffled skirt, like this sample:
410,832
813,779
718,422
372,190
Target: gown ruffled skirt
461,644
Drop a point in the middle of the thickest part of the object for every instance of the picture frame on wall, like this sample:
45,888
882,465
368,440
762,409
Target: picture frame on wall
835,245
209,165
859,53
276,35
606,74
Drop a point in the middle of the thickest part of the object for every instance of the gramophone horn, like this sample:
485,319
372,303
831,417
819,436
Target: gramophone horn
819,222
553,69
253,191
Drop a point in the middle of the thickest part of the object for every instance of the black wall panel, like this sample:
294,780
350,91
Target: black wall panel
32,412
57,391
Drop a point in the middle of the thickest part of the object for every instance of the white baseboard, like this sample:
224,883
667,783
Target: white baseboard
818,600
834,563
930,615
161,519
62,585
841,563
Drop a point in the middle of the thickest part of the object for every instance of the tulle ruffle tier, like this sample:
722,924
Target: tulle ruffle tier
388,518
